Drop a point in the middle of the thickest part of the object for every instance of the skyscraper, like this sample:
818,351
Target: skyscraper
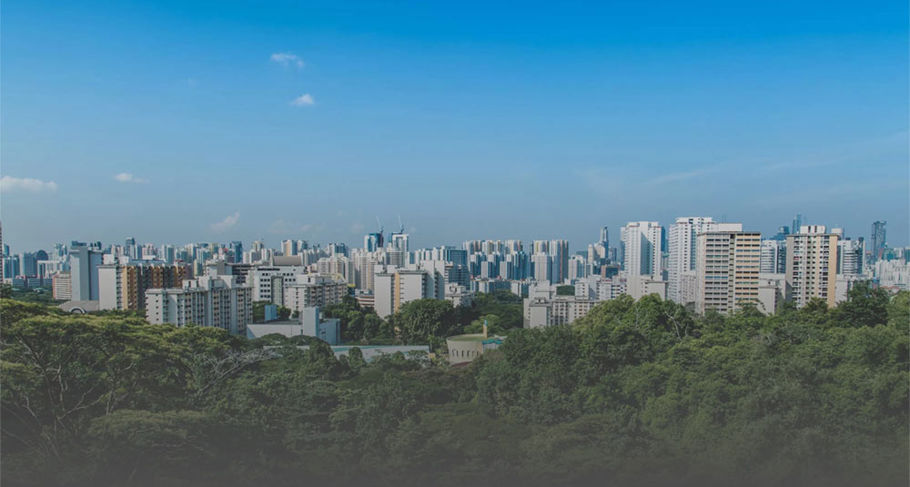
559,251
797,223
237,250
641,248
130,249
372,241
878,239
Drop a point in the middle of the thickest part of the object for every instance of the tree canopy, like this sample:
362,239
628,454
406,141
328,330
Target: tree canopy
635,393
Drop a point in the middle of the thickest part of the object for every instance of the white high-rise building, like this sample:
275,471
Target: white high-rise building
212,300
311,290
269,282
773,256
850,257
641,248
681,245
542,267
399,241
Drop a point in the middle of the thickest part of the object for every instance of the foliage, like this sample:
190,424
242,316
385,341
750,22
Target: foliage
635,393
565,290
259,311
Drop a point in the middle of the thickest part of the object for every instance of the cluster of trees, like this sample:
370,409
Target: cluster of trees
259,312
42,295
635,393
426,321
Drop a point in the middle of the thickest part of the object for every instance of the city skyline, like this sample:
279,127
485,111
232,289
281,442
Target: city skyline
276,242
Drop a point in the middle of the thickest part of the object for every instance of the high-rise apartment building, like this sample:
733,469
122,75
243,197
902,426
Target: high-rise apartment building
393,289
123,287
811,265
311,290
212,300
641,248
727,271
682,251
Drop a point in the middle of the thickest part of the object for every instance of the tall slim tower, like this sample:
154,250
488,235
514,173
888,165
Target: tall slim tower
559,251
878,239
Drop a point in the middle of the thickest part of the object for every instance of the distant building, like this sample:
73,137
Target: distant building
879,241
772,290
458,294
84,264
850,257
399,286
313,290
773,256
727,276
467,348
811,265
543,307
892,274
62,286
641,248
310,324
216,301
123,287
682,250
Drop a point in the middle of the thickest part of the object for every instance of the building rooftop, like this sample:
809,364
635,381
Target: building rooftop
475,337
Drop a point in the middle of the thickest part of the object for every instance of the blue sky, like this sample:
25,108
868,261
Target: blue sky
470,120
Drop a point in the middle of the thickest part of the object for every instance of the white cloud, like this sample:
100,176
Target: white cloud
9,183
303,100
228,222
287,59
126,177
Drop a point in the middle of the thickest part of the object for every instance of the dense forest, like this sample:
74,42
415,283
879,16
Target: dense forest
635,393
